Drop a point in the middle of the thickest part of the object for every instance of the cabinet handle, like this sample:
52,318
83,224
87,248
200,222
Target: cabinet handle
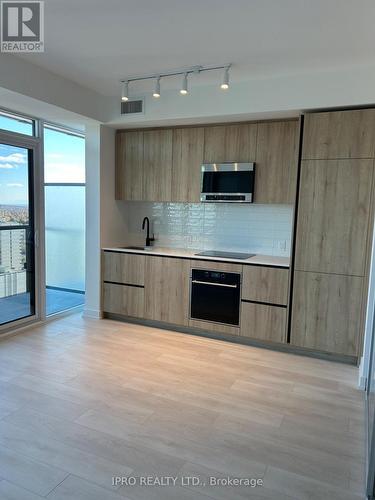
213,284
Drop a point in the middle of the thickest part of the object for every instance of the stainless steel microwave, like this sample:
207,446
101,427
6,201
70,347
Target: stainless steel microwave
228,182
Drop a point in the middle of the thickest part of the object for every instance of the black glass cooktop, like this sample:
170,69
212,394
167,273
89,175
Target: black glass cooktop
226,255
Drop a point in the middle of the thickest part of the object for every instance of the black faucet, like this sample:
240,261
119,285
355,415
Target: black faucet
148,239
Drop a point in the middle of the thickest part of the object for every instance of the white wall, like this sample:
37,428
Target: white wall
92,299
105,218
279,96
113,213
24,78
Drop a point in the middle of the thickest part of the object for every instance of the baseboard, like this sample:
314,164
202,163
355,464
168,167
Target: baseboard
92,313
288,348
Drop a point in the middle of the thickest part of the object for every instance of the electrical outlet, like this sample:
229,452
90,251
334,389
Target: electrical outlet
280,245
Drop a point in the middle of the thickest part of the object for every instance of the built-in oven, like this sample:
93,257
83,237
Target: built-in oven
215,296
228,182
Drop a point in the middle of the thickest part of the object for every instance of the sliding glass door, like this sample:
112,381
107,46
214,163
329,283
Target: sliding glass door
17,248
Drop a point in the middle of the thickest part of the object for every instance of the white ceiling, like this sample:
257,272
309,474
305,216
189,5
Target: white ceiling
97,42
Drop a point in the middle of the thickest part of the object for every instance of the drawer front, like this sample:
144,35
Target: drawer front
216,266
123,299
124,268
263,322
265,284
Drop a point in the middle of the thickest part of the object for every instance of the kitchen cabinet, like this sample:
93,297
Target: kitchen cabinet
167,289
263,322
230,143
164,164
123,299
276,162
326,312
125,268
157,165
129,166
230,267
333,216
339,134
333,231
188,146
265,284
158,288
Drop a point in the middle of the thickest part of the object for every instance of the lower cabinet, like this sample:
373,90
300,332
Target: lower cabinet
167,289
326,312
263,322
123,299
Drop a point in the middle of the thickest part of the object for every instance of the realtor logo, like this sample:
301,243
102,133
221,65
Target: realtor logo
22,26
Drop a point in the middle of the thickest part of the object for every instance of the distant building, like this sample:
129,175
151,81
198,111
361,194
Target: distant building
12,262
12,250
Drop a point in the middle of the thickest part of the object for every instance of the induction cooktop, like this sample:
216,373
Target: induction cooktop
226,255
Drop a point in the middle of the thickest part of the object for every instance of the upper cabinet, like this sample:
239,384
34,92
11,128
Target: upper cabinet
339,134
230,143
129,166
157,165
164,164
188,144
276,162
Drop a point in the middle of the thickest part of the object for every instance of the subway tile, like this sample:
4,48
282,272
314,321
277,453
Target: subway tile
251,228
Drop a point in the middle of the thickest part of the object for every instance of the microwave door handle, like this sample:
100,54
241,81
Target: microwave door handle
213,284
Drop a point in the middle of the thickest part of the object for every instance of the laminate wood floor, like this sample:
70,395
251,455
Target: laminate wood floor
84,400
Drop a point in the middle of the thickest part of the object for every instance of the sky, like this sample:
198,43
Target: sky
64,157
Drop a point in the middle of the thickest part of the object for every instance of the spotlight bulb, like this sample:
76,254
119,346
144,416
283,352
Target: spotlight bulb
225,84
125,91
184,88
156,92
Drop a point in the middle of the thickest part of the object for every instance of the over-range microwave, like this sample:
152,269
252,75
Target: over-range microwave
228,182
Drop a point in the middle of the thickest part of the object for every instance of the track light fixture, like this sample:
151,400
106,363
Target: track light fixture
156,92
125,91
184,88
196,70
225,84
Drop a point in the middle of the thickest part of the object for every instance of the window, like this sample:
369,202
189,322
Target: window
64,180
15,123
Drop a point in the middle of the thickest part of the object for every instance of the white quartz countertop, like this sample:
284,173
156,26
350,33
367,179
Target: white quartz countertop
260,260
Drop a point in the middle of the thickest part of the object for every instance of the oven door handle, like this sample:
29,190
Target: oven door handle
213,284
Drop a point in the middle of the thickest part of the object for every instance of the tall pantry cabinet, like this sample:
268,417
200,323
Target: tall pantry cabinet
333,232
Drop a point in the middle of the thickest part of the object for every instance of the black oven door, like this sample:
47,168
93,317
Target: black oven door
215,296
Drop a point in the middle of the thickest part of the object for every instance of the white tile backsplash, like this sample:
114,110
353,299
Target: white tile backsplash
262,229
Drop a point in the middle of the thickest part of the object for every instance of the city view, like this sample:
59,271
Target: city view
14,211
13,215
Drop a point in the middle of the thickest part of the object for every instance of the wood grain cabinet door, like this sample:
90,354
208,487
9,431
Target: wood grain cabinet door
230,143
167,289
339,134
157,165
188,146
333,216
119,267
265,284
129,166
326,312
276,162
123,299
263,322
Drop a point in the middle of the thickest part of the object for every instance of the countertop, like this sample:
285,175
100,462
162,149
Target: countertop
257,260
